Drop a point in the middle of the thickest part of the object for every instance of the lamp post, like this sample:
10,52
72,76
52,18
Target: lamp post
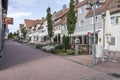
94,25
93,4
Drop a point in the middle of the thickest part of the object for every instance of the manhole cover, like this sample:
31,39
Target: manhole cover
115,75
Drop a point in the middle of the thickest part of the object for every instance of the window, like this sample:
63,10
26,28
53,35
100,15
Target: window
112,41
63,27
59,27
82,22
82,10
85,39
91,20
101,1
114,20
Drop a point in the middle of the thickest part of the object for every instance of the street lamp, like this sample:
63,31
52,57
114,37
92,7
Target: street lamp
94,43
93,3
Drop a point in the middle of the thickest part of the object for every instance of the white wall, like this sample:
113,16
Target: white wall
115,32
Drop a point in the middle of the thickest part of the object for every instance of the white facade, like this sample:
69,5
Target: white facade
115,33
38,34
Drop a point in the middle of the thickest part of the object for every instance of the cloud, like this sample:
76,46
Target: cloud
61,2
19,14
24,3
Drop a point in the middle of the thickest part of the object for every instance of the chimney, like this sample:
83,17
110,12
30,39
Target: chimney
37,20
54,12
42,17
64,6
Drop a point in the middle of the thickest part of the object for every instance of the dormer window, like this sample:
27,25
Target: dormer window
57,20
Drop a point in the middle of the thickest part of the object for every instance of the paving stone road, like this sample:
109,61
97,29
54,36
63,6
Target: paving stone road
21,62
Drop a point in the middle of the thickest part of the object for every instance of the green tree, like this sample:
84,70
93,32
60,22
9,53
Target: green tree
66,42
49,23
59,38
71,18
10,35
55,39
24,32
63,39
17,34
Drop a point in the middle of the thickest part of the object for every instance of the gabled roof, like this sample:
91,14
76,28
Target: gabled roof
114,6
29,23
62,21
82,3
101,9
111,5
41,21
61,15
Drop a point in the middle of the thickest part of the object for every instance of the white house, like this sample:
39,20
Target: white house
114,9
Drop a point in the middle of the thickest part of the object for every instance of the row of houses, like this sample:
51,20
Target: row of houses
37,29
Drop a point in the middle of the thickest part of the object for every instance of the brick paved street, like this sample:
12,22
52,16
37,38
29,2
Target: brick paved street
21,62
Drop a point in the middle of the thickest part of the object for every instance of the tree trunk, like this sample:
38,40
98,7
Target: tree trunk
70,41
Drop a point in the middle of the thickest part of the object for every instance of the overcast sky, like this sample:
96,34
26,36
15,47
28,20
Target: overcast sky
31,9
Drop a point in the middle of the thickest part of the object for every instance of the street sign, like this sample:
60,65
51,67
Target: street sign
8,20
88,33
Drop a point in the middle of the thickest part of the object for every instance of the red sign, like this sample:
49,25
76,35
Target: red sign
8,20
89,33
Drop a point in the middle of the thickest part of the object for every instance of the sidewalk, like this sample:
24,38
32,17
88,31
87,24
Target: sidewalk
107,66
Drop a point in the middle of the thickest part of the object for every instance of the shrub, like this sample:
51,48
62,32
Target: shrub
82,51
55,51
48,48
38,46
70,52
59,46
66,40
